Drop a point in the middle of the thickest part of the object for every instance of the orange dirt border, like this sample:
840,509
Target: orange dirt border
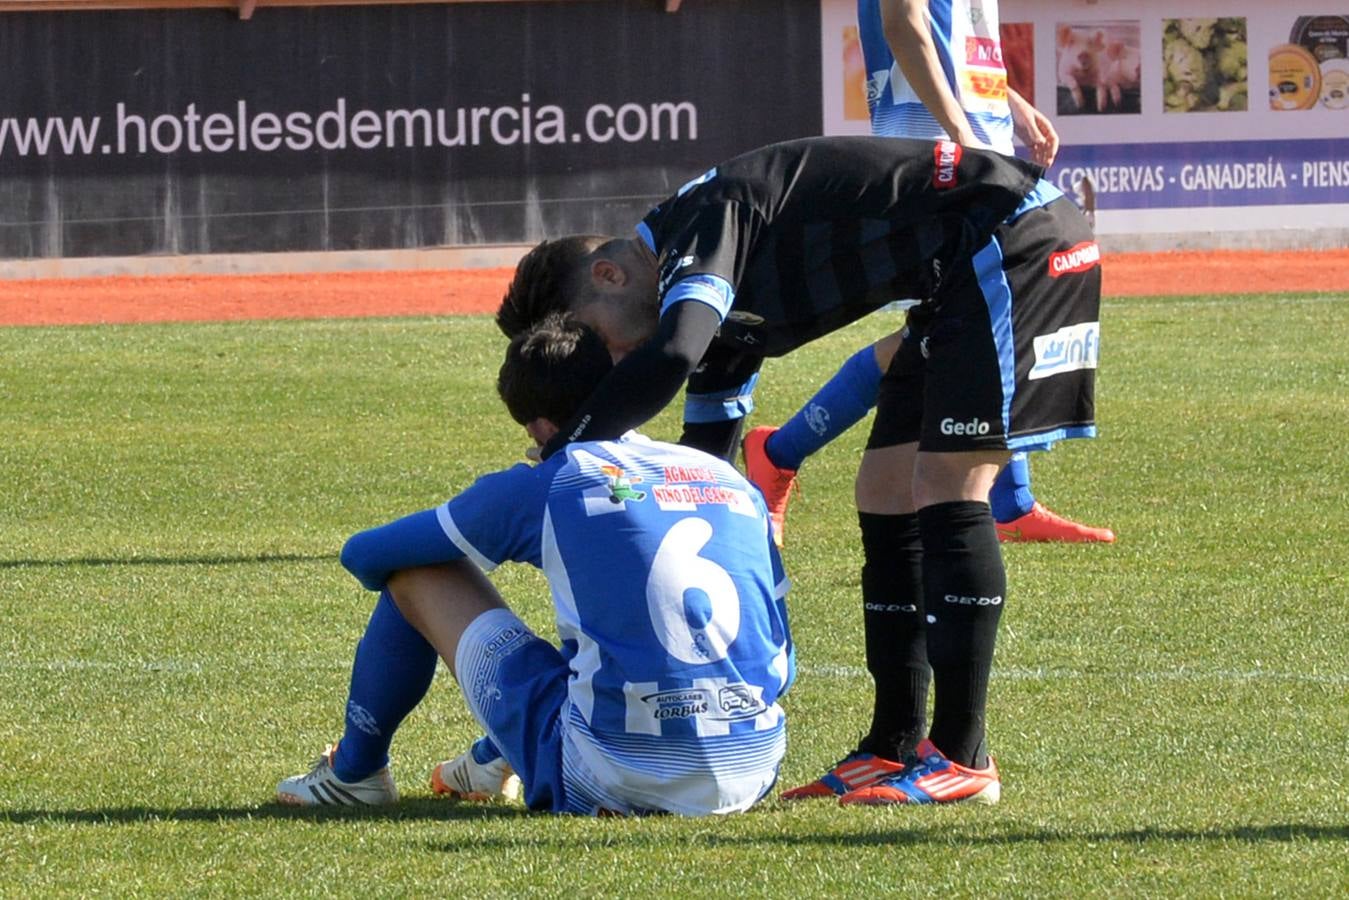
195,298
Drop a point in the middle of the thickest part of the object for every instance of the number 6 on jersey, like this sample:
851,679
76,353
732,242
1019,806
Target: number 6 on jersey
678,570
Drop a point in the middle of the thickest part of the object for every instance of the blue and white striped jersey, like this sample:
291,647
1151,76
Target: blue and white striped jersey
965,33
669,596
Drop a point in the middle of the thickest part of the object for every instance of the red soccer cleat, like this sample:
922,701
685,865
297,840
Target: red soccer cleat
776,483
932,779
854,771
1042,524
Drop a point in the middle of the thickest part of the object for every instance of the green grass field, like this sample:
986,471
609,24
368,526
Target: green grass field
1170,713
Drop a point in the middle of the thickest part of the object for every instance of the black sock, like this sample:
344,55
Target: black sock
964,584
896,639
718,438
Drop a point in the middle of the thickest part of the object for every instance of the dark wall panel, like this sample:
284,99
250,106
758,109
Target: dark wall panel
189,131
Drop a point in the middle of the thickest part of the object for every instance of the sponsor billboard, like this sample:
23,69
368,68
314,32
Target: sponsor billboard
390,126
1191,115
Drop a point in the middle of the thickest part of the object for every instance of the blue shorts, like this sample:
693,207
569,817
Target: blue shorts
515,683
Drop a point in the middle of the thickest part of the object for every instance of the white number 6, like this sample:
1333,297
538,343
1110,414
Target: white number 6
678,569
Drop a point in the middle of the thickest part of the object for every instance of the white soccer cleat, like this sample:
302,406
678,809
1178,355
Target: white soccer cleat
321,787
479,774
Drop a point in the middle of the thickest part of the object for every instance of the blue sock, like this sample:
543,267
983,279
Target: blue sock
484,751
393,671
835,408
1011,497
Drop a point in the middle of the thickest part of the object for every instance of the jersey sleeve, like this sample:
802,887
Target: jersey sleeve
704,257
495,520
713,290
500,518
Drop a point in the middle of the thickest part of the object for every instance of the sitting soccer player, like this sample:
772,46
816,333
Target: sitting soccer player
669,597
774,454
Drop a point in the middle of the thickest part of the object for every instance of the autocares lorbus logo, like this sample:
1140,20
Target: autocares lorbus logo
946,158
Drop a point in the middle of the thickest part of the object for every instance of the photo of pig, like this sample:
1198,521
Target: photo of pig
1098,68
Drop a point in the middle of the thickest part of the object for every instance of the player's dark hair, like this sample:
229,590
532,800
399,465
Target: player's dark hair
544,280
551,369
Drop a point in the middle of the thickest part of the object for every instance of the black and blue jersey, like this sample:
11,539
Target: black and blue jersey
795,240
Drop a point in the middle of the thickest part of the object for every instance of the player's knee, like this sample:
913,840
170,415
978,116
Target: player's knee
885,480
953,477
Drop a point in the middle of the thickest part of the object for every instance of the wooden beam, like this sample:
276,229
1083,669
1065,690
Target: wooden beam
246,8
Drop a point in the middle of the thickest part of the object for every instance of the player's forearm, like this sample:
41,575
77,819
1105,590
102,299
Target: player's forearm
908,32
1034,129
373,556
1023,114
638,388
646,380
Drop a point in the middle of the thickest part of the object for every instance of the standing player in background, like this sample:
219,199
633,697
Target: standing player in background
663,696
934,70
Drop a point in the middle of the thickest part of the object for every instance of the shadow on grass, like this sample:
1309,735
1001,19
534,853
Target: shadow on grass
448,811
404,811
244,559
1255,834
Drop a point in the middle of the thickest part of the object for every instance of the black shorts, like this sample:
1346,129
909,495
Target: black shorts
1004,356
721,389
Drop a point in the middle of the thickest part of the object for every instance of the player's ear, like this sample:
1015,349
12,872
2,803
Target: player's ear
607,272
541,430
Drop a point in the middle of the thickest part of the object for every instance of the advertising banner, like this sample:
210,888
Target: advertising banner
1184,116
332,128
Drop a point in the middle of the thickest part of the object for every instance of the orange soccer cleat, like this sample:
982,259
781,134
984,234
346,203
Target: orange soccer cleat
775,483
1043,524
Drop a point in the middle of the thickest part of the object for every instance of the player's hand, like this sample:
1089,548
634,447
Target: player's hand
534,454
1034,130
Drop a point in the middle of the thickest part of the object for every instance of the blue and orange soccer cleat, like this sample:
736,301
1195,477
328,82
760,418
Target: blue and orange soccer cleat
775,483
932,778
856,770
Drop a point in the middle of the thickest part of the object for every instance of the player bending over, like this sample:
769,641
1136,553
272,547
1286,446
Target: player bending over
669,596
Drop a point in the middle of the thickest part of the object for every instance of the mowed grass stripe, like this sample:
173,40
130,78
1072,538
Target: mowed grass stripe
1168,712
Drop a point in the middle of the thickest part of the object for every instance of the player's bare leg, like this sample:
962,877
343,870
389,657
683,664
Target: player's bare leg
442,601
953,477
